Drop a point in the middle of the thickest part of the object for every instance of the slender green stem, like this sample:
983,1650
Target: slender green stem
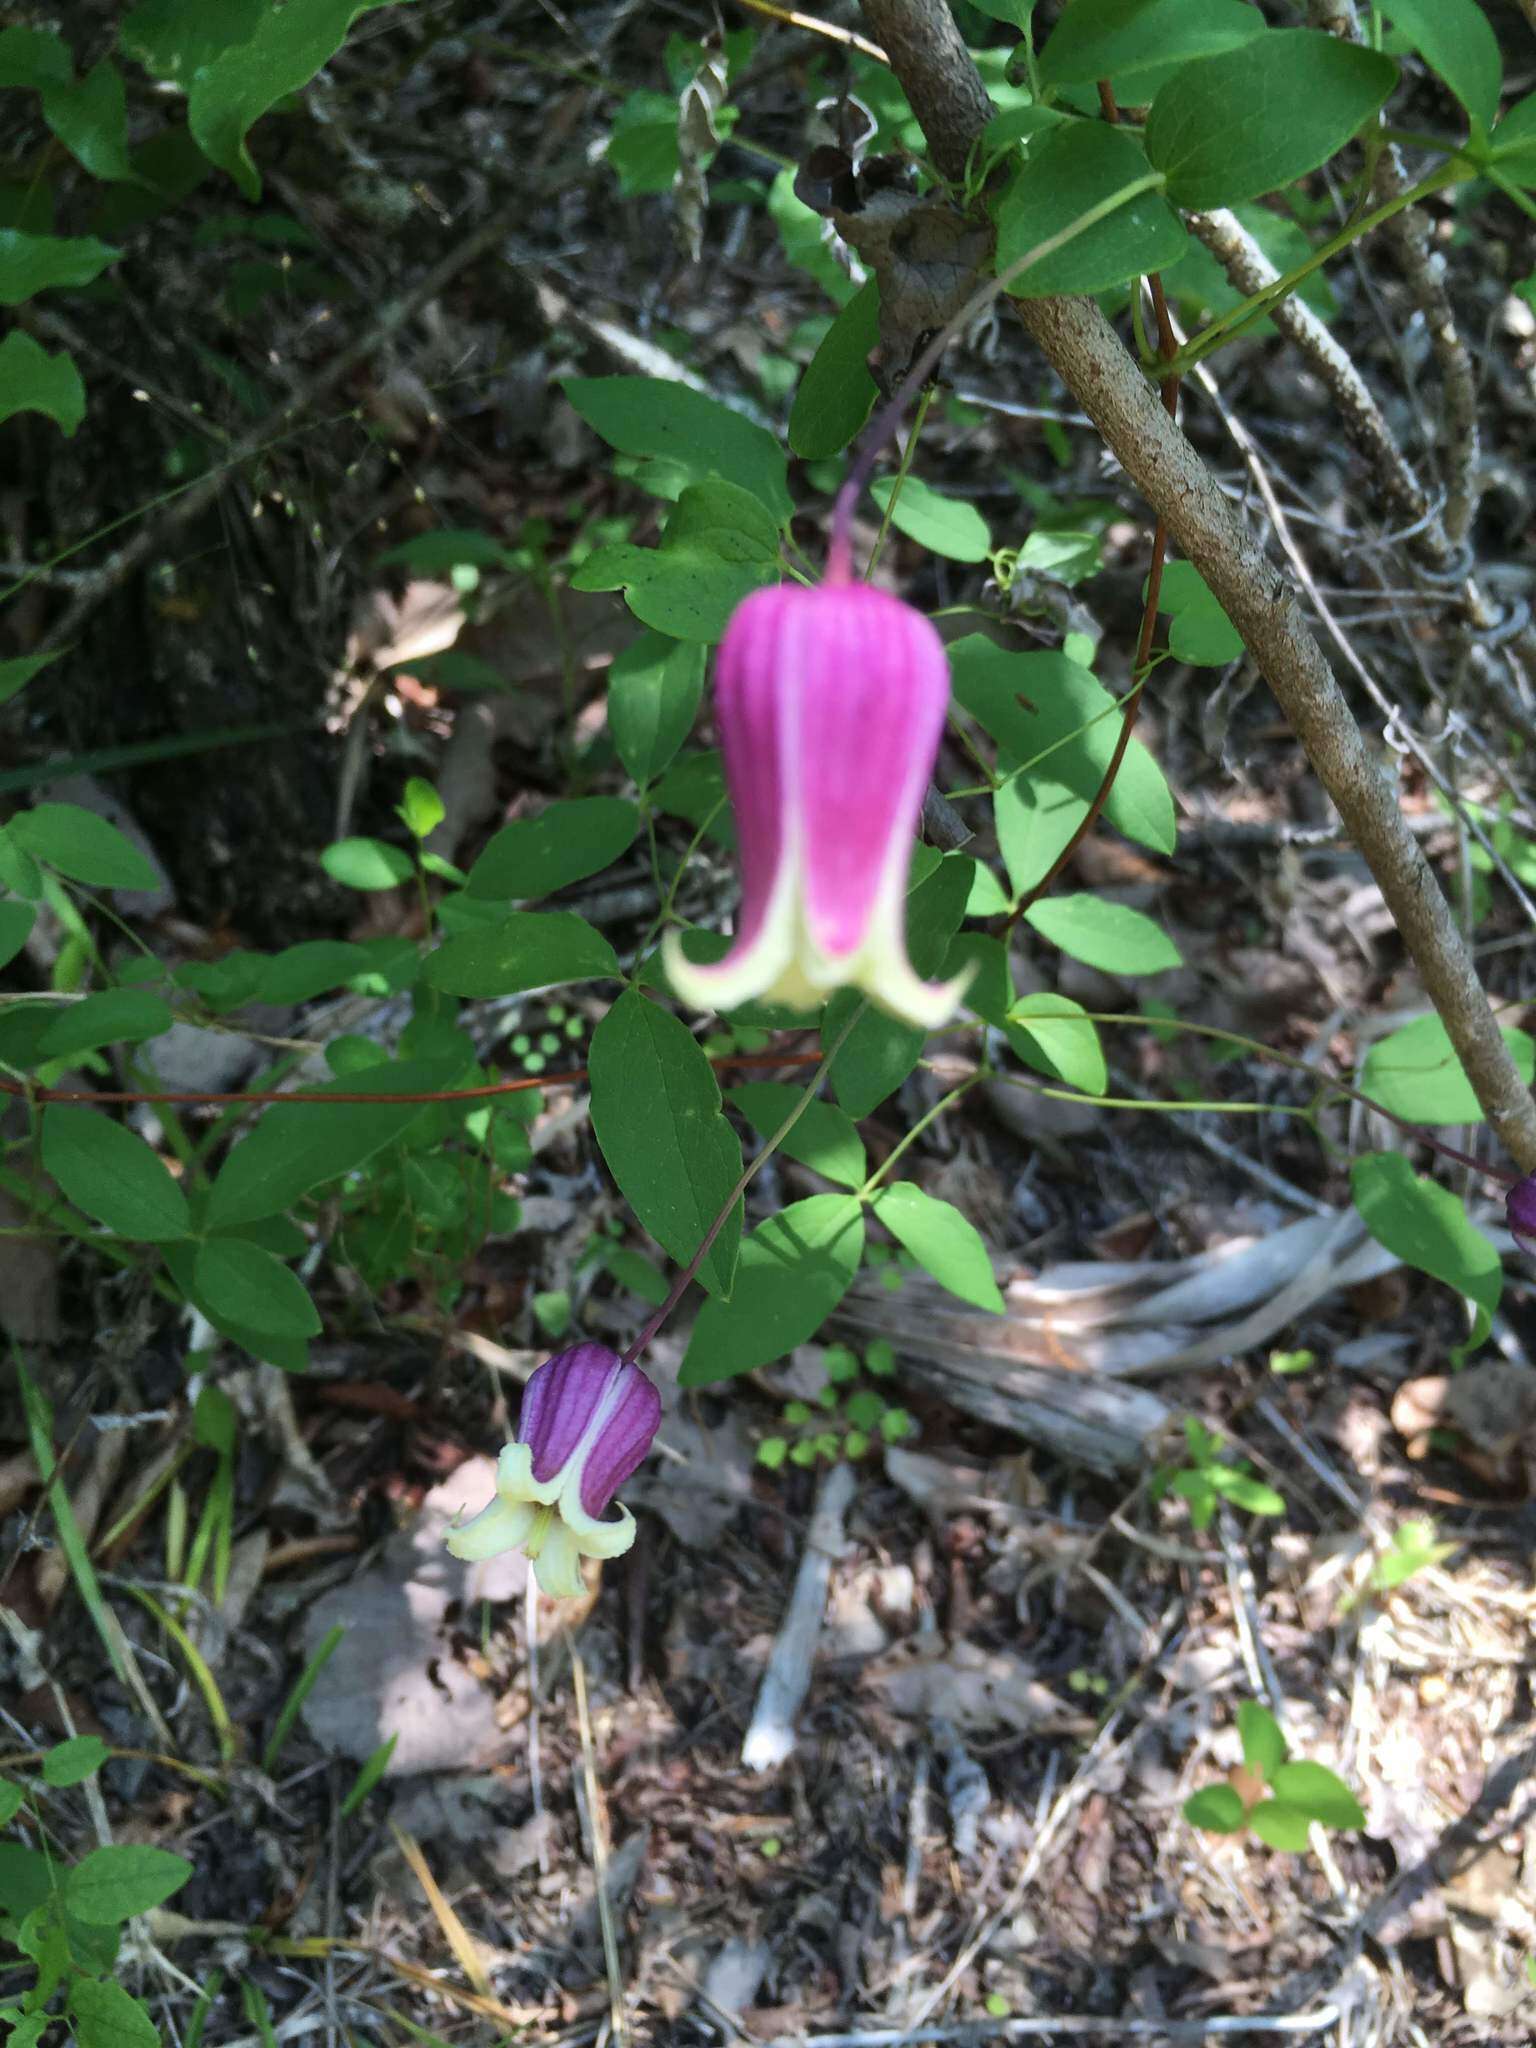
665,910
1229,325
685,1279
1154,1103
945,1102
907,454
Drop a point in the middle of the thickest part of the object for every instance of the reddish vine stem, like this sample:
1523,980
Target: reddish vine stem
259,1097
1167,347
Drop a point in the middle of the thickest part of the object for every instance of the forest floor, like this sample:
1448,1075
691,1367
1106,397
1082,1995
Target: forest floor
1031,1658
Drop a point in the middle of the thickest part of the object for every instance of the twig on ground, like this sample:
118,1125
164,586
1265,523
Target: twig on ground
1076,2027
771,1736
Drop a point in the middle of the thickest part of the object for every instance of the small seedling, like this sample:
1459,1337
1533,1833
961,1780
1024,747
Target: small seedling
1288,1363
846,1420
1268,1793
1211,1476
1413,1549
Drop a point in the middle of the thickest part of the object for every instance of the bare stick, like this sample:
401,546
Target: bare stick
947,95
771,1737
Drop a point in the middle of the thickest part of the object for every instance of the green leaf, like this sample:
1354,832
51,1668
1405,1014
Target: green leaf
248,1286
174,39
837,392
38,263
533,857
112,1884
34,57
638,1275
297,1146
421,808
528,949
1231,127
1122,39
1110,936
104,2015
12,1798
369,1776
31,380
686,591
1415,1073
1201,633
880,1051
654,687
446,549
1070,170
1264,1746
83,846
299,973
367,864
824,1138
1428,1228
27,1879
874,1059
1053,720
91,120
1281,1826
287,46
16,922
942,1242
1035,822
945,526
642,143
72,1762
18,672
657,417
124,1016
719,546
1513,143
1456,40
112,1175
1244,1491
657,1115
1319,1793
793,1271
1216,1808
1051,1034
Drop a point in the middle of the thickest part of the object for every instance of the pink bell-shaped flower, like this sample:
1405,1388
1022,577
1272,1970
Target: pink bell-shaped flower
831,702
587,1423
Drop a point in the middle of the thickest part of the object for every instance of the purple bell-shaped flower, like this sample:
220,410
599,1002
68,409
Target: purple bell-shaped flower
831,702
588,1421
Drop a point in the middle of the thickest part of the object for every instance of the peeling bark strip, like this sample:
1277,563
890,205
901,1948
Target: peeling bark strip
951,104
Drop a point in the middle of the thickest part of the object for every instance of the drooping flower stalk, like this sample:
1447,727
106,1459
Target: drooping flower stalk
1520,1213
